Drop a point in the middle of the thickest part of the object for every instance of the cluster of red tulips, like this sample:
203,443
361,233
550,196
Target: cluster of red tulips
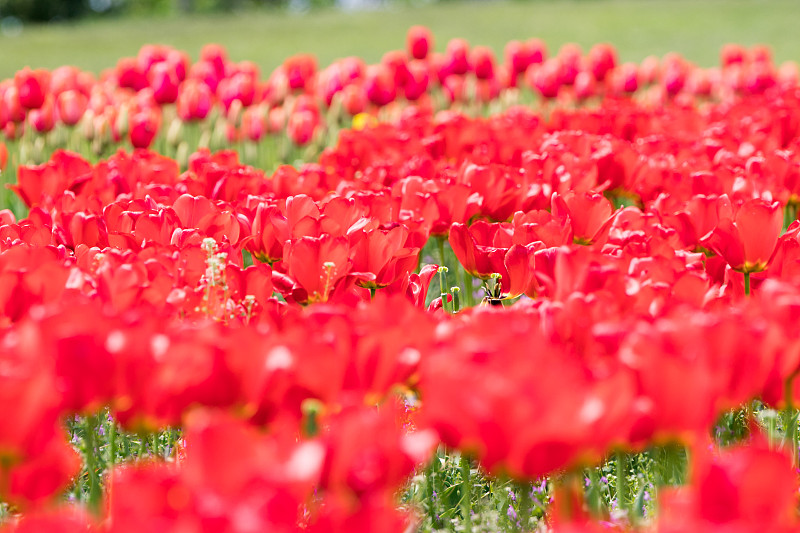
162,89
633,231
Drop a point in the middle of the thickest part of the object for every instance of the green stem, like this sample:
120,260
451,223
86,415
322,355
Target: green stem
466,493
456,291
595,497
771,431
438,485
790,418
112,443
622,480
747,283
433,472
429,489
443,287
372,293
90,426
440,243
525,505
156,444
789,214
142,446
469,296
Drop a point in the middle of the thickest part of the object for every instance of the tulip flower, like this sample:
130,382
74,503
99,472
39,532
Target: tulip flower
32,88
747,488
317,264
70,107
419,42
589,214
747,238
164,82
144,127
302,126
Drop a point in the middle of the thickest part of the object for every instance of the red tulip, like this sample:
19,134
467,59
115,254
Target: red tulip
385,456
419,42
585,85
418,80
69,519
482,61
588,213
43,119
384,253
457,57
144,127
195,100
380,85
254,123
354,99
569,57
12,111
545,78
70,107
746,239
624,79
602,58
745,488
216,56
164,82
517,58
32,87
484,249
317,264
302,126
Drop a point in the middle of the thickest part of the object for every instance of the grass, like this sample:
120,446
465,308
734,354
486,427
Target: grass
694,28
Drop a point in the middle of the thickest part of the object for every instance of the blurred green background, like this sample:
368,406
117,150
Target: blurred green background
267,31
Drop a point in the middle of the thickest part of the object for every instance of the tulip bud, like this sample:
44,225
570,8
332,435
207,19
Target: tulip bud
195,100
354,99
545,78
585,85
418,80
419,42
42,119
276,120
602,58
301,127
456,56
253,123
516,57
121,122
164,82
174,132
130,75
31,88
216,56
732,54
12,107
299,70
144,127
182,154
70,107
482,60
380,85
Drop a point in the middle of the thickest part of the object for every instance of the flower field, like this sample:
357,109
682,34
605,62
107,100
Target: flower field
548,291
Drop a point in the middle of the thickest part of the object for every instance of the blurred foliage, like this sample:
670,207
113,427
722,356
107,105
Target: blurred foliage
54,10
44,10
